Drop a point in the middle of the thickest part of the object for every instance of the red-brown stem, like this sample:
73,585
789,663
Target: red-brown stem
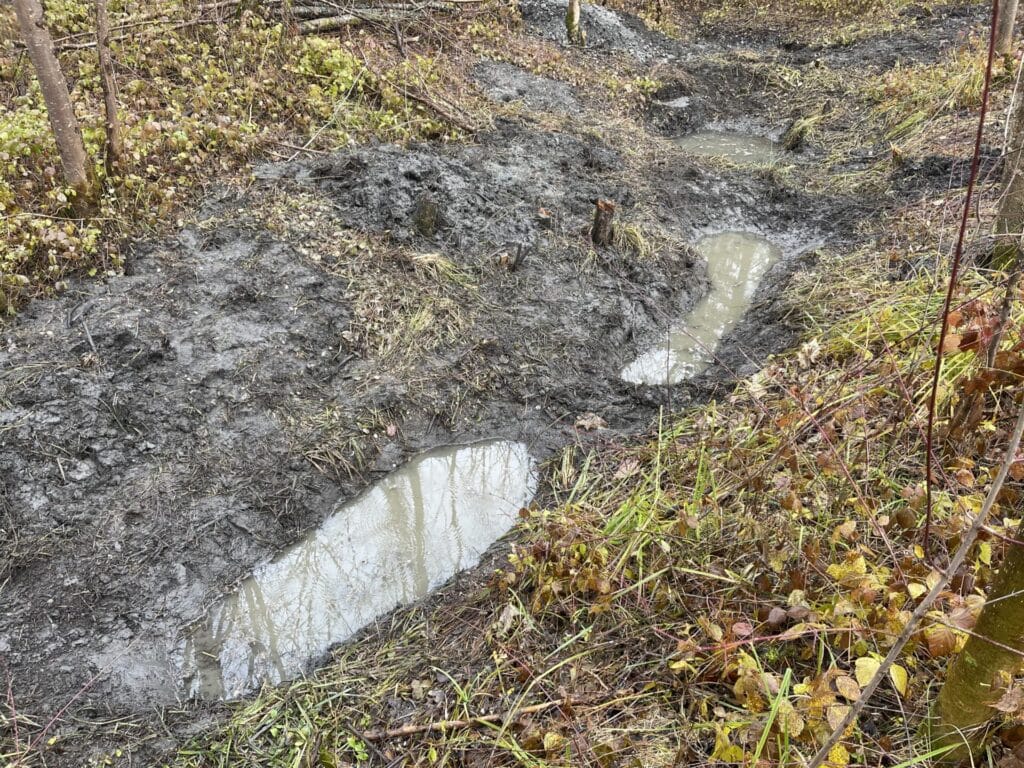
953,277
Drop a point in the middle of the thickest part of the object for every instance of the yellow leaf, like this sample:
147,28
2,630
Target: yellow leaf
848,688
865,669
790,721
916,589
900,679
835,715
985,553
725,750
838,756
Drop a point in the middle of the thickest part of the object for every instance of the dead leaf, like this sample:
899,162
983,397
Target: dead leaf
835,715
591,422
848,688
941,641
742,629
951,343
1012,701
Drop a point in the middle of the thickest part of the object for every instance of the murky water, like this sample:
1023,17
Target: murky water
392,545
740,148
736,263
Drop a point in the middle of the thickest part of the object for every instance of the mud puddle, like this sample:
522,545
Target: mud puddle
402,538
739,148
736,263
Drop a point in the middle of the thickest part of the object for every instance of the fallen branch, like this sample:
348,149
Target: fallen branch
329,24
428,103
474,722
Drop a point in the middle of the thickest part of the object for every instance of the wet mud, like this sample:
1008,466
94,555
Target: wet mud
167,433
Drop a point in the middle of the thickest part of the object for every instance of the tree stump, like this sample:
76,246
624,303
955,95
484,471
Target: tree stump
603,229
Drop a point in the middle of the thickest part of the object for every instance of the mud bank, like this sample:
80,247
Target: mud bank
165,432
168,430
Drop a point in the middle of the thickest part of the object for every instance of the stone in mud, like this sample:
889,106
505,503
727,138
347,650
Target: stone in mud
427,216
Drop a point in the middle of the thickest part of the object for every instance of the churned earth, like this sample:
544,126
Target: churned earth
165,431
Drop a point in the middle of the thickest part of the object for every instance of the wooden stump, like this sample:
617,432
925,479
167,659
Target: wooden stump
602,230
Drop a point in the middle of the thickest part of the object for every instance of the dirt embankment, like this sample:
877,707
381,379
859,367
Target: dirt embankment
165,431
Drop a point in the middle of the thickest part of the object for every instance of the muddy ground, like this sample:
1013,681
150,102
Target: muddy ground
163,432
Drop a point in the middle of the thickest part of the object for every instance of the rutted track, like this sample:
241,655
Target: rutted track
165,431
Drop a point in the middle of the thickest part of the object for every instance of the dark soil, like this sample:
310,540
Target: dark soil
163,432
506,83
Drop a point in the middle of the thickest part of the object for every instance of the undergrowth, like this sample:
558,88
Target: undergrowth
199,96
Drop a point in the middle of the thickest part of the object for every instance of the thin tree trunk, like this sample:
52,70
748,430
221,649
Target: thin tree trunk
114,149
73,158
572,24
1010,218
1004,26
984,669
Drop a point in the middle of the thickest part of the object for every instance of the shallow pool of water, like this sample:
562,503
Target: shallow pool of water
740,148
402,538
736,263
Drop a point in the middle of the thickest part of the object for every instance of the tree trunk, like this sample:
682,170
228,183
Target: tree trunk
114,149
1010,218
73,158
984,669
572,24
1004,26
601,232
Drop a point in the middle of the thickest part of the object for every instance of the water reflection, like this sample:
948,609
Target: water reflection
740,148
736,263
405,536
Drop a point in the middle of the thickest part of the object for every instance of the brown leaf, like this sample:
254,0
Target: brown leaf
742,629
1012,701
951,343
941,640
591,422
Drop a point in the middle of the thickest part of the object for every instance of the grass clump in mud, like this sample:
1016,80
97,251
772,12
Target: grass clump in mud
201,92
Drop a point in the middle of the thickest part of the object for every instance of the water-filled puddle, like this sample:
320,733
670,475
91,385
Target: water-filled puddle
740,148
402,538
736,263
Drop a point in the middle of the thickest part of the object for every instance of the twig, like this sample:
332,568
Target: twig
953,276
430,104
473,722
926,603
1004,311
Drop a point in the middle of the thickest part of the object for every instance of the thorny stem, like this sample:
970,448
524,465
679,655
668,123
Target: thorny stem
953,277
